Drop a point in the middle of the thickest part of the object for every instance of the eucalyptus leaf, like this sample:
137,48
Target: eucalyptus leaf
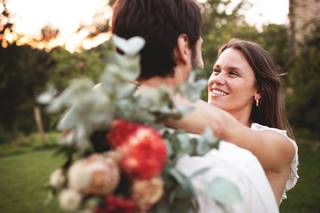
47,96
125,90
169,148
199,172
68,96
150,99
208,136
192,88
185,145
131,46
165,110
184,140
69,120
184,206
129,67
160,207
202,148
224,191
131,111
185,189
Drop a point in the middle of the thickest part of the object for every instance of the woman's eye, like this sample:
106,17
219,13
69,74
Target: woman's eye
216,71
233,74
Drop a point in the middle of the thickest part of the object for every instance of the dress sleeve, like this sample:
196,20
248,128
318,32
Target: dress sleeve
293,176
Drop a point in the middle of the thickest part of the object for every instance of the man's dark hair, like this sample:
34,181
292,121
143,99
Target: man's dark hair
159,22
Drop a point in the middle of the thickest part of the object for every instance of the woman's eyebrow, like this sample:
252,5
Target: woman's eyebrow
233,67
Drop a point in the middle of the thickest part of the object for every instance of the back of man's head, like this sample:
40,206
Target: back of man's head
159,22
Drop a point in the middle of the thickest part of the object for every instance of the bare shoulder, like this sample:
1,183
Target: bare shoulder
280,144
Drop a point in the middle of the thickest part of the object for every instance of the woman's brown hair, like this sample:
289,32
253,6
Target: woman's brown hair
271,110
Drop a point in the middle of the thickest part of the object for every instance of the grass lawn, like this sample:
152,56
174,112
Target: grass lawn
24,174
23,180
305,197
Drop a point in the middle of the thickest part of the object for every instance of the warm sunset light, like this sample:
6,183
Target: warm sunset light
45,24
81,24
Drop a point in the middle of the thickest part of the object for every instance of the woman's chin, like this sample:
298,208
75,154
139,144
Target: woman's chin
217,104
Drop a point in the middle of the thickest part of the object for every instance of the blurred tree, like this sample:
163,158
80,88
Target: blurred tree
23,72
304,107
220,22
88,63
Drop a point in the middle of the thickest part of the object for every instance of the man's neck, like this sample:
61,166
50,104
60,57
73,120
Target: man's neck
158,81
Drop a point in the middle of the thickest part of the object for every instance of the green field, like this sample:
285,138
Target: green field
24,172
23,180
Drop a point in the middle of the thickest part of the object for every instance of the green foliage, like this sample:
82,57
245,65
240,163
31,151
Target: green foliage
219,26
307,186
24,72
304,98
178,186
68,65
224,191
274,38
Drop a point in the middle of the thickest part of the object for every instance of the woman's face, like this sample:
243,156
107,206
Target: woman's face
232,85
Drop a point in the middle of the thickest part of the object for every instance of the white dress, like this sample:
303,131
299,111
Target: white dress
293,176
240,167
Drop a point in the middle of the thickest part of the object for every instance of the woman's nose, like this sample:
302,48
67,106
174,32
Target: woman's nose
219,78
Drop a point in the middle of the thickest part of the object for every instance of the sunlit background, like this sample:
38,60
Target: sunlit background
82,24
72,24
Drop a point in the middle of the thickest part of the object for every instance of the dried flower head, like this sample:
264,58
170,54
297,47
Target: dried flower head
146,193
94,175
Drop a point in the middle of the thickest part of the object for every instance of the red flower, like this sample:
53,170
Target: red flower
117,205
120,132
144,151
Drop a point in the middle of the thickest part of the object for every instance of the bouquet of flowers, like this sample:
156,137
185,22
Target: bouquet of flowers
119,157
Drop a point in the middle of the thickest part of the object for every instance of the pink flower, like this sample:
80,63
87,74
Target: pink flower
94,175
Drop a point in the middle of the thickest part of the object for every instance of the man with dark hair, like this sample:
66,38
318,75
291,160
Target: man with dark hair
171,29
163,24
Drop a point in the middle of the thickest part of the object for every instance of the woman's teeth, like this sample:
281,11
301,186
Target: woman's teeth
218,93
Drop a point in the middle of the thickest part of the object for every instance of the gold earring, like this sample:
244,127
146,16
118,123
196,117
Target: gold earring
257,102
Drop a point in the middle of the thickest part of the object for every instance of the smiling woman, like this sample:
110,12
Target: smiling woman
232,84
246,109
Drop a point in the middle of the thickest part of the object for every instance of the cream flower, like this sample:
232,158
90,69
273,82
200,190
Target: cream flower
57,179
78,176
94,175
147,192
69,199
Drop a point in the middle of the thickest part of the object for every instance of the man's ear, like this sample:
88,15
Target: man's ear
182,51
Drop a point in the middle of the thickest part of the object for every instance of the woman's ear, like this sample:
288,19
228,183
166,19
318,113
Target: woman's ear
182,51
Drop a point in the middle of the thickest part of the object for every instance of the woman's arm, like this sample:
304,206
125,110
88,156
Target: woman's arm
272,149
